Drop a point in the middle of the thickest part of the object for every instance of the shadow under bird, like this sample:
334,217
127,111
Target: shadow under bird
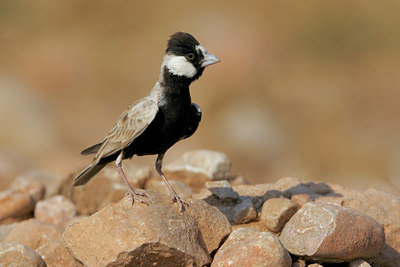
156,122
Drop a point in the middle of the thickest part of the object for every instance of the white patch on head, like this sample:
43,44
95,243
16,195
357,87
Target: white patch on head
202,49
178,65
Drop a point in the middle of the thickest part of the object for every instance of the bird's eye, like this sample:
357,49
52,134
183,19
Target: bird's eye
189,56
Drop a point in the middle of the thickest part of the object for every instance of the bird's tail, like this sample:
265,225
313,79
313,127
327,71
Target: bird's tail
84,176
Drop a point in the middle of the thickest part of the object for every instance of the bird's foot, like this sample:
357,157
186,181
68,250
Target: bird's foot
180,201
135,196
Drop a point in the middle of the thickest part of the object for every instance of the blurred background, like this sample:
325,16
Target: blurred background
305,88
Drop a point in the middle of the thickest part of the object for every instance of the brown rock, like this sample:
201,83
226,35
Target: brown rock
138,235
359,263
137,175
276,212
18,202
214,165
19,255
248,247
258,193
301,199
156,184
43,237
57,210
50,180
331,233
5,229
214,226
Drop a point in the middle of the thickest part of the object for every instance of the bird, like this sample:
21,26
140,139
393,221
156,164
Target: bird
153,124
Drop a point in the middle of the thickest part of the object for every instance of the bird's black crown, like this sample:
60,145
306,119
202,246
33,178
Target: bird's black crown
181,43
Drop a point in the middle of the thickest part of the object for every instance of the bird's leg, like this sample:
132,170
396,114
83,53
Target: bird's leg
174,196
134,194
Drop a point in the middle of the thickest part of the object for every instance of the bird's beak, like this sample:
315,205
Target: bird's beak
209,59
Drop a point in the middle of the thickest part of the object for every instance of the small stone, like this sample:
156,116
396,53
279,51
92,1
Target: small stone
215,165
43,237
315,265
331,233
359,263
276,212
51,181
244,212
57,210
138,235
248,247
299,263
19,255
158,185
18,202
301,199
222,190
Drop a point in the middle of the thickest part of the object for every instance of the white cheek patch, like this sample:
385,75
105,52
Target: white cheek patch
178,65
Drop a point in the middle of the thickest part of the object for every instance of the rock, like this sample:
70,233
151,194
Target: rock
51,181
93,196
258,193
156,184
301,199
19,255
299,263
222,190
138,235
137,175
57,210
5,229
276,212
18,202
43,237
214,165
315,265
206,216
244,212
359,263
248,247
331,233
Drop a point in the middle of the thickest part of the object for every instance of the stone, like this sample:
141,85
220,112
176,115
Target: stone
137,175
301,199
206,216
5,229
44,238
138,235
57,210
248,247
258,193
244,212
93,196
276,212
359,263
51,181
222,190
315,265
214,165
19,255
299,263
156,184
331,233
18,202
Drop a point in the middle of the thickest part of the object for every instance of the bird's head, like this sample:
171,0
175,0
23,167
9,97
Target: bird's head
185,57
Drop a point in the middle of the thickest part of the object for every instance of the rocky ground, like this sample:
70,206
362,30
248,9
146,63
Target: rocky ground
45,222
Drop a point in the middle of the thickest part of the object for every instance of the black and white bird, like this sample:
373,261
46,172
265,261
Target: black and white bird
154,123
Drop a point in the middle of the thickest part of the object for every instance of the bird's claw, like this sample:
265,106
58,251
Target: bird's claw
135,196
180,201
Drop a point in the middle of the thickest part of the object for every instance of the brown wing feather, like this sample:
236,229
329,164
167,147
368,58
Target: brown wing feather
133,121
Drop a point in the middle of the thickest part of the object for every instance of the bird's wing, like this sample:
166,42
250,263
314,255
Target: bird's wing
132,123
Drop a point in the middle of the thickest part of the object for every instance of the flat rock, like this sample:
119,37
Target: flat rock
19,255
18,202
57,210
214,165
331,233
44,238
138,235
276,212
222,190
248,247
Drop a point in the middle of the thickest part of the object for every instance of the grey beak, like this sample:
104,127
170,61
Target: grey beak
209,59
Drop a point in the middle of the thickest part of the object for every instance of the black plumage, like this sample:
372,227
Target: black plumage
156,122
